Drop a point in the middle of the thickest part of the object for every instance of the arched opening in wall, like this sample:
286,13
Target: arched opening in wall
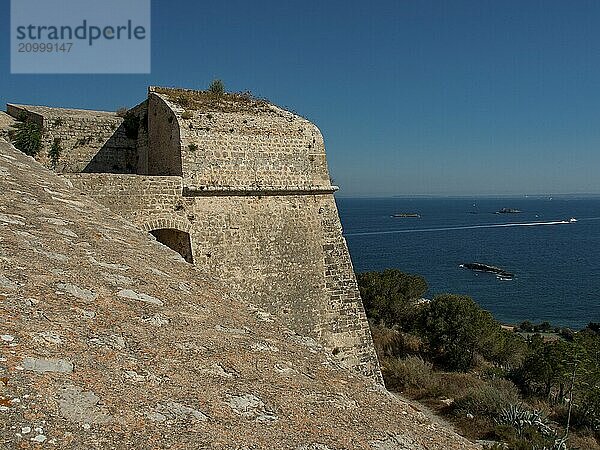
175,240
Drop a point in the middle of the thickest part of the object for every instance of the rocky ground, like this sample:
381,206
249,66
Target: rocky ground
110,340
6,124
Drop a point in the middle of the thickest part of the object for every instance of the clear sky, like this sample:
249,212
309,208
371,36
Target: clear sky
412,96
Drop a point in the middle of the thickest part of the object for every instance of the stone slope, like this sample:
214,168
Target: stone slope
6,123
110,340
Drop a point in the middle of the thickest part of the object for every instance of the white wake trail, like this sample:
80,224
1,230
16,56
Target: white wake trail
466,227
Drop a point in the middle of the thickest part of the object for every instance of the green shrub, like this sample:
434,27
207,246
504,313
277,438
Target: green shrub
488,399
495,446
217,87
589,414
187,115
192,147
27,137
55,152
519,418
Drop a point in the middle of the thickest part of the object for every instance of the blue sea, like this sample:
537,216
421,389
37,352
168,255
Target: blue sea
556,264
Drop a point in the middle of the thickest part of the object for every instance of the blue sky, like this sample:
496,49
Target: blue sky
413,97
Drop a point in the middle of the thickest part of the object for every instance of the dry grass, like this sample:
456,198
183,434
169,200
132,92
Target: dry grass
584,440
206,101
475,401
392,343
488,399
411,375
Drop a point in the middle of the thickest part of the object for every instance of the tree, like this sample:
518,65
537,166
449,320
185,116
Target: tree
389,296
457,329
505,348
547,368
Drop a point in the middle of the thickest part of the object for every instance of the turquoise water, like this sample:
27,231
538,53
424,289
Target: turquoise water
557,265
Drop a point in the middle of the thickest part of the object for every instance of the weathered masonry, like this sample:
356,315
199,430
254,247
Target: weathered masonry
238,187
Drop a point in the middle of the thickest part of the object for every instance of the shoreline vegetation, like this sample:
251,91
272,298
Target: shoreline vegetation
516,387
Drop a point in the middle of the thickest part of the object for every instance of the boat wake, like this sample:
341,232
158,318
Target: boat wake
467,227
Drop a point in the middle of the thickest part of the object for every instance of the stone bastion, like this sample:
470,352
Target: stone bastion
237,186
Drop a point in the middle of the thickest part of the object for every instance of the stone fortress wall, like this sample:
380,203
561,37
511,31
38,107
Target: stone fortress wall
90,141
255,146
241,189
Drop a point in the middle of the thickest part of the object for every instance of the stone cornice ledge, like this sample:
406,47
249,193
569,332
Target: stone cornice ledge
206,191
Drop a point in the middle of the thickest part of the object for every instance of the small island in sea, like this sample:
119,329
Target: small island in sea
479,267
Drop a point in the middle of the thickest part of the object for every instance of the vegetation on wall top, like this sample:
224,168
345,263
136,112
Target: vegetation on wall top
215,99
27,136
55,152
217,87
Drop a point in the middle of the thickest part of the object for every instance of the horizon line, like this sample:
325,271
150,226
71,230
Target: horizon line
523,196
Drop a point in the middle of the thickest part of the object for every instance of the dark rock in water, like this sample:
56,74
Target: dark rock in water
479,267
407,215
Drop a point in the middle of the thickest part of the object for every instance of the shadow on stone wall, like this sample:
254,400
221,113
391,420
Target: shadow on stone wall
117,155
164,137
175,240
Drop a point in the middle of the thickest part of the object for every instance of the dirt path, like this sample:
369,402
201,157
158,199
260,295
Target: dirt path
435,417
428,412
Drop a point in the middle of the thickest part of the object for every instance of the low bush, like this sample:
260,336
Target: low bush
522,428
409,373
395,344
488,399
453,385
